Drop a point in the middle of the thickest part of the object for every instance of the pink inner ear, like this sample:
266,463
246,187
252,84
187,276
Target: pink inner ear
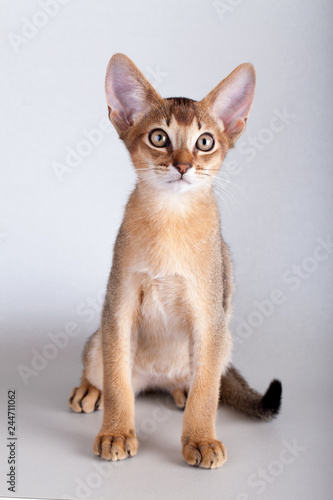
125,93
129,95
234,101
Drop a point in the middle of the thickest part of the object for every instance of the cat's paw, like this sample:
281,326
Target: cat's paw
208,454
180,397
85,399
115,447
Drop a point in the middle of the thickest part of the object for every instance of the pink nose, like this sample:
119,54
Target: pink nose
182,167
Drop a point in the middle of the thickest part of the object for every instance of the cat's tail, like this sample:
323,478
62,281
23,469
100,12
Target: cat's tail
235,392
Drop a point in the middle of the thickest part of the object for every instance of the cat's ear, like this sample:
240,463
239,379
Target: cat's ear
128,93
231,100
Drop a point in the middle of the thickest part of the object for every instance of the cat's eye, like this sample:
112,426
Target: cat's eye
159,138
205,142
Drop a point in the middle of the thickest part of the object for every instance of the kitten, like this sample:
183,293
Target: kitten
168,303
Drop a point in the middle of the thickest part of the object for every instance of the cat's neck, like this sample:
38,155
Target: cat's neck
165,206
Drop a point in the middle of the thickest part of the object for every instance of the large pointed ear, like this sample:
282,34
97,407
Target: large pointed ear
231,100
128,93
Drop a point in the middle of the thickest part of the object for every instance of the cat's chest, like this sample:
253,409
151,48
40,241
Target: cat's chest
166,253
171,241
162,302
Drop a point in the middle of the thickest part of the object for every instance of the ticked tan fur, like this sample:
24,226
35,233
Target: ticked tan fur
165,319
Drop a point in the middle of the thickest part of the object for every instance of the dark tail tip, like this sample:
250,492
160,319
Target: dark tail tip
271,402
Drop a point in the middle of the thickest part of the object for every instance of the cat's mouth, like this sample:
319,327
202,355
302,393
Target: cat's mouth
181,179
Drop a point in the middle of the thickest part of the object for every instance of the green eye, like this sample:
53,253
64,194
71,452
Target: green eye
205,142
159,138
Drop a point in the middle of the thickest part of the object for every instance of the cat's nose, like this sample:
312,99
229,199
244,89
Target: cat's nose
182,167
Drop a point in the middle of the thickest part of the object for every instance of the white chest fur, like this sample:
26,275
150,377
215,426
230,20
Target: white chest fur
162,354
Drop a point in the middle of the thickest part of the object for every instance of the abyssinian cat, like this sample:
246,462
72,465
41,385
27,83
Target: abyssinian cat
165,319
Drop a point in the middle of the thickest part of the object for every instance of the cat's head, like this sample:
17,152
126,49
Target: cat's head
177,144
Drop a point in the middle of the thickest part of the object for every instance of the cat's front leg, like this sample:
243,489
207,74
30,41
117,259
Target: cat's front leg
117,437
208,352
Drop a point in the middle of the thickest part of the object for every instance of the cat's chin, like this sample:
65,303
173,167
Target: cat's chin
179,185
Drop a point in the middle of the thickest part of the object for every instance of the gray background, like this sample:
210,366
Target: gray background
57,232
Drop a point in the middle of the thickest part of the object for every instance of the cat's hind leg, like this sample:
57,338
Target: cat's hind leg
88,397
180,397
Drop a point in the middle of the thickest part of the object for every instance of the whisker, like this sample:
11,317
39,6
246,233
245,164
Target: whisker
231,185
229,194
223,200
